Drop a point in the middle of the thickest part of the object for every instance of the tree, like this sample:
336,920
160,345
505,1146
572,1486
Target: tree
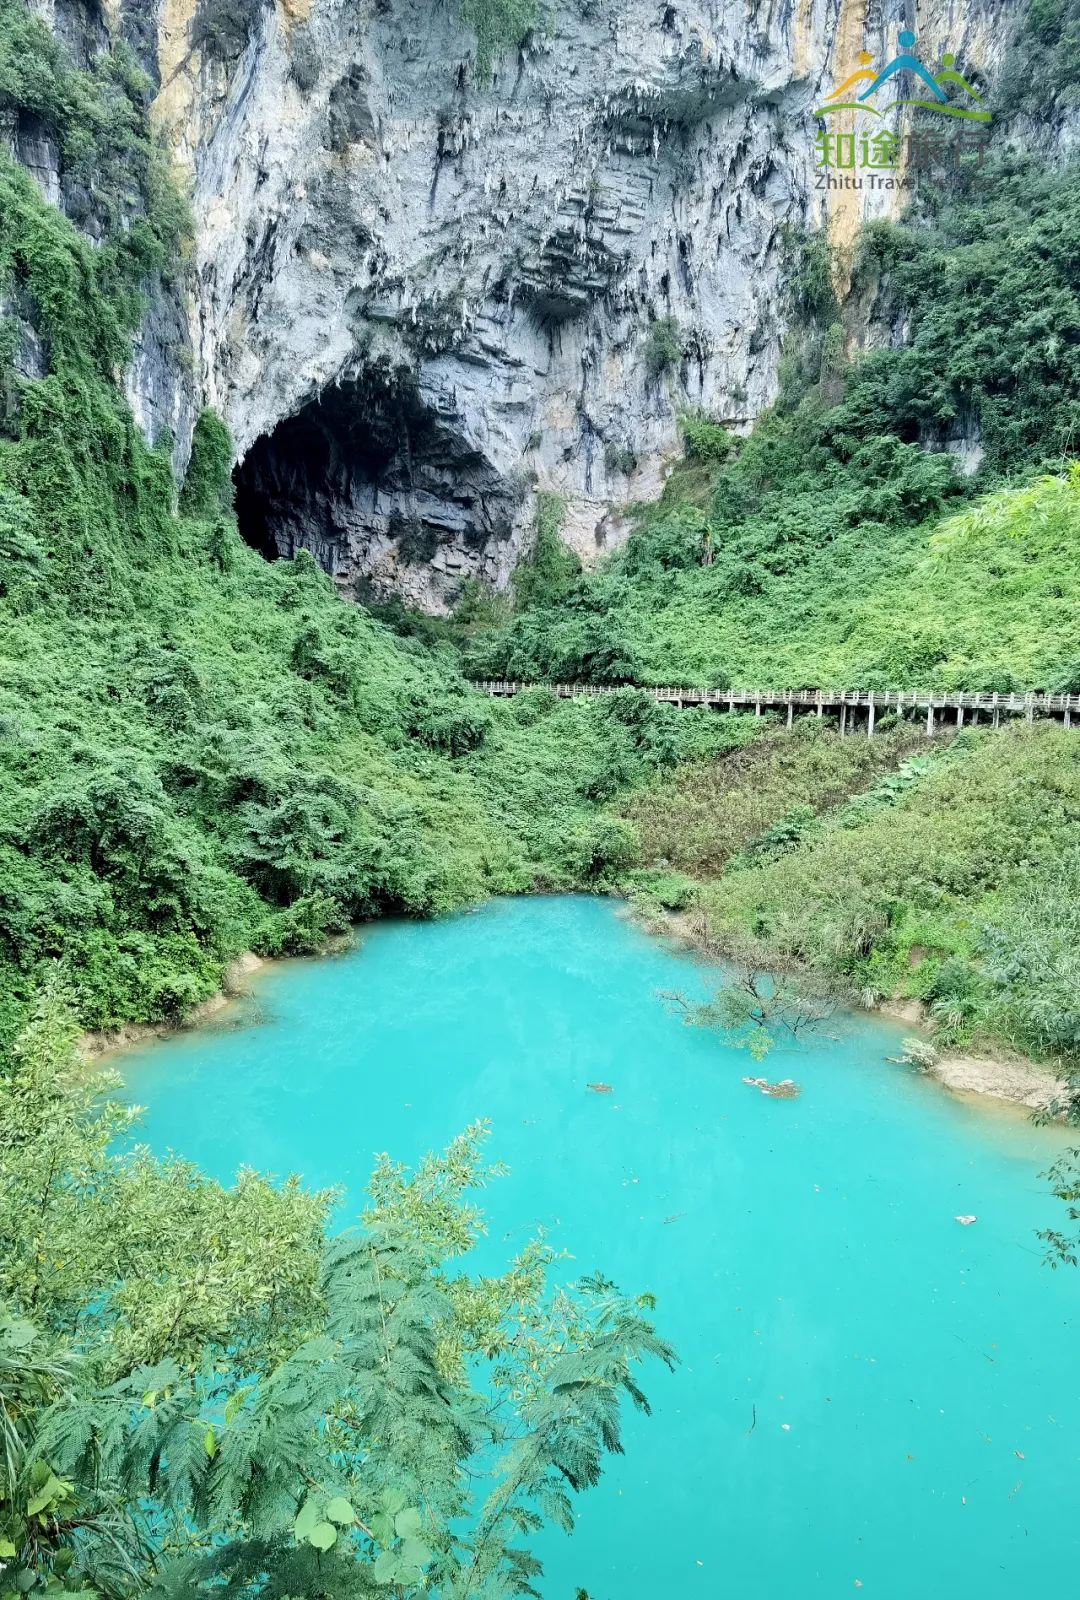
44,1524
136,1258
227,1401
759,998
1064,1176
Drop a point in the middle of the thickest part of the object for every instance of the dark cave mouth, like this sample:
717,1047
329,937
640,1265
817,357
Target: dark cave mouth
322,473
366,466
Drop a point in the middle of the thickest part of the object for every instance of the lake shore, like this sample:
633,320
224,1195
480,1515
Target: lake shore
995,1074
104,1041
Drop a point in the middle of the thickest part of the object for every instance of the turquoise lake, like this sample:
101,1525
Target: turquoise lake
915,1382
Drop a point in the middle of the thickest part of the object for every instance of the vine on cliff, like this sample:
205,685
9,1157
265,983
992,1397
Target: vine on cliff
499,25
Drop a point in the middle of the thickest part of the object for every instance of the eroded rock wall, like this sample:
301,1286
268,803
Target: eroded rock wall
416,299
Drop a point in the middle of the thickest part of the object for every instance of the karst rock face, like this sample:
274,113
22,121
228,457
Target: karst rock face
418,297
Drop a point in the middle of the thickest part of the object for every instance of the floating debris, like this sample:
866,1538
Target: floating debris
600,1088
786,1089
674,1217
965,1222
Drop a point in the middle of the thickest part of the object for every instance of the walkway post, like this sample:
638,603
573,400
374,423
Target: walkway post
994,703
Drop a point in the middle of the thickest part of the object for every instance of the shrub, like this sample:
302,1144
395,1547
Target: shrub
498,25
448,722
208,488
620,458
704,439
663,347
551,569
666,544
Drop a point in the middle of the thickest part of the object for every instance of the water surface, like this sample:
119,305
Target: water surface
917,1421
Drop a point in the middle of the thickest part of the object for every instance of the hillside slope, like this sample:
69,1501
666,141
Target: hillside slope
200,750
809,554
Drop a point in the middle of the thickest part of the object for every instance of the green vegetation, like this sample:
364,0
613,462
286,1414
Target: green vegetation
200,751
499,25
236,758
1041,72
705,440
551,569
955,888
198,1390
832,548
620,458
947,873
757,588
706,813
885,869
990,282
808,558
133,1258
663,347
115,177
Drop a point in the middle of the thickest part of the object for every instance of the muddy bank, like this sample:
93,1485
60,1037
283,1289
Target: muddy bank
1009,1078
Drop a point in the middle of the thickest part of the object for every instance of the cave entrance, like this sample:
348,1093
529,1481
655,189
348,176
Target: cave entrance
332,472
374,480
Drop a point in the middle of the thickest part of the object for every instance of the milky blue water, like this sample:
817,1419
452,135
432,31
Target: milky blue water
914,1381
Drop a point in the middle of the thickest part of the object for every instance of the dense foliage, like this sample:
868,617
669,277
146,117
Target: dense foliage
806,558
1040,75
200,751
931,887
197,1389
499,25
901,869
988,277
707,813
950,878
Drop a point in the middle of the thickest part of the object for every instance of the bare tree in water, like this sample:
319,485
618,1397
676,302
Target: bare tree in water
759,1001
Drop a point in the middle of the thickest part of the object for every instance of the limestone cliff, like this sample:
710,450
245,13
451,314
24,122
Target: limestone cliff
417,298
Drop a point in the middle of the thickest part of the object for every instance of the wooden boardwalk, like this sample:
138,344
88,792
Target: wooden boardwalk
849,704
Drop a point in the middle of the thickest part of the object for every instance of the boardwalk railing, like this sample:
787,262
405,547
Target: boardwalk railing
847,702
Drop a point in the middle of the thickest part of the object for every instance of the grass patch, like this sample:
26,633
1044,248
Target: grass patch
706,813
957,889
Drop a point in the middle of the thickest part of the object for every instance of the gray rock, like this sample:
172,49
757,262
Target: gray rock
417,300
